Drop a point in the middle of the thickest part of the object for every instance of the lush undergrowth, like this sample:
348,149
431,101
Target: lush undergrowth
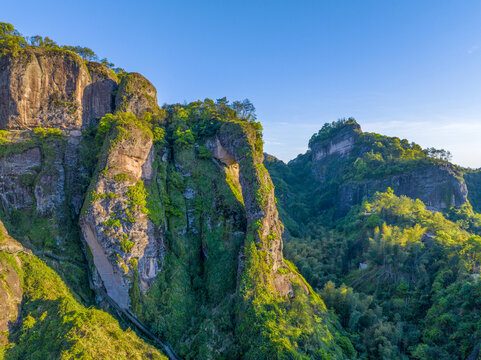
53,325
411,278
196,302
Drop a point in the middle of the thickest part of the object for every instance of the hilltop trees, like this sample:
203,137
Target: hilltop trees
13,42
10,39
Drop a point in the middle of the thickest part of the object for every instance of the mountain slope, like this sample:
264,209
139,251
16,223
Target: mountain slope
401,276
167,214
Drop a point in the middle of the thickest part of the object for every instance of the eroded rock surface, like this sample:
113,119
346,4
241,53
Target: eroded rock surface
255,180
17,172
119,233
50,88
439,187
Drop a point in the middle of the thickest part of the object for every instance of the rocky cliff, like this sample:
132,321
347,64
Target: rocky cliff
50,88
372,253
173,209
56,88
439,187
115,224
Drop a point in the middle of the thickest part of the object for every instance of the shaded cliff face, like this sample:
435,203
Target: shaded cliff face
439,187
183,229
473,183
41,184
258,195
50,88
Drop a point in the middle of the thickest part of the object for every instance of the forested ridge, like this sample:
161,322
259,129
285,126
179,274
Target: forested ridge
401,276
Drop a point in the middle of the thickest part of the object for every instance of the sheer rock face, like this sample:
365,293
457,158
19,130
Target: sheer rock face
15,193
115,246
439,187
339,145
98,98
41,178
136,95
236,144
50,184
50,88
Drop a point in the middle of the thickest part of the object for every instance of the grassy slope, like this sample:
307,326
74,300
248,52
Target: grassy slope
53,325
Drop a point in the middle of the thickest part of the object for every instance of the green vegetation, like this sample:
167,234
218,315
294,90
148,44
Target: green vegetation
473,181
47,133
122,177
307,187
44,138
396,275
328,131
137,195
191,302
273,327
126,245
54,325
411,300
51,231
14,43
96,196
111,222
194,303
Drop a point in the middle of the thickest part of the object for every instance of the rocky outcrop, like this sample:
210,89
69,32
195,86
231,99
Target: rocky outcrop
115,226
33,175
237,143
136,94
439,187
53,88
333,154
338,145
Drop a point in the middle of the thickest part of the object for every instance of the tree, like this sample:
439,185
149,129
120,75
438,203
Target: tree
245,110
85,52
107,63
10,39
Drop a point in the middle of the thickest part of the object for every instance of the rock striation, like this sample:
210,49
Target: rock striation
174,209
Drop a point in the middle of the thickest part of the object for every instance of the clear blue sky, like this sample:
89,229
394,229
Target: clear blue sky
406,68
